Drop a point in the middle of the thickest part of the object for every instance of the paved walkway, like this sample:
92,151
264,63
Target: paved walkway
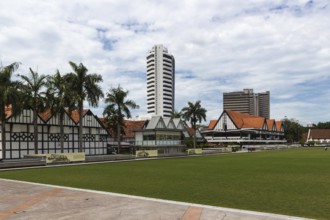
22,200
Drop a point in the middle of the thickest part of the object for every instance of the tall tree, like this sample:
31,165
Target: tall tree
194,113
292,130
85,87
9,97
176,114
33,89
120,108
112,121
323,125
60,97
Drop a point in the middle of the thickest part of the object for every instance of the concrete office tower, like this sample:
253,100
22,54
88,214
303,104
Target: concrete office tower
160,81
248,102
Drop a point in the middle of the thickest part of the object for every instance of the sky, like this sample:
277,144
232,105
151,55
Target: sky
281,46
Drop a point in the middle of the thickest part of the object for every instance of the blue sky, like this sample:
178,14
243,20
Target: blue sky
220,46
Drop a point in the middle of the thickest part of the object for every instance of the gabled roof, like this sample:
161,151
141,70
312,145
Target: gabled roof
319,133
8,111
178,123
243,120
212,124
75,114
156,122
131,126
270,124
278,125
254,122
46,114
169,123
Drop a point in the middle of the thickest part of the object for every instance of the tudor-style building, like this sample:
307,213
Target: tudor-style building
239,127
20,136
318,136
164,134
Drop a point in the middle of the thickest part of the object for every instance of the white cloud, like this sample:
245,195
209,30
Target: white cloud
219,46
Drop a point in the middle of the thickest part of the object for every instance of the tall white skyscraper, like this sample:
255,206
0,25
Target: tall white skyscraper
160,81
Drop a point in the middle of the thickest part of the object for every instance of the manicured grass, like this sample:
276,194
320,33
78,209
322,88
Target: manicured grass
291,182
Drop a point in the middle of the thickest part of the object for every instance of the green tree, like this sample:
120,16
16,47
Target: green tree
323,125
86,87
9,96
112,121
194,113
118,107
33,89
292,130
175,114
59,96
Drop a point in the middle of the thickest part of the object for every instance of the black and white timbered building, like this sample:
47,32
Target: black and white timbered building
20,134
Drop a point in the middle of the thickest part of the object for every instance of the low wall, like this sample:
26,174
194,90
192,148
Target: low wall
60,157
22,163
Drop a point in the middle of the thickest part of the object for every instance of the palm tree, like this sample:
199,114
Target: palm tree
85,87
60,97
9,96
119,107
33,89
176,114
112,121
194,113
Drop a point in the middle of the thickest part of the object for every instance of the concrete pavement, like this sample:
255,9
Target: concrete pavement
22,200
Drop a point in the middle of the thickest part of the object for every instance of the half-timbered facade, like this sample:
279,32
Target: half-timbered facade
163,134
239,127
20,134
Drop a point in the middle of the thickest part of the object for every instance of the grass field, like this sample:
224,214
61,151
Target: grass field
291,182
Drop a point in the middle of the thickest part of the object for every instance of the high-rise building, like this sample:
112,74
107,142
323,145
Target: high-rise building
160,81
248,102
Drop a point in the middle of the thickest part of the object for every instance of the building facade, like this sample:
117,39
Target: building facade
318,136
163,134
160,82
236,127
20,134
247,101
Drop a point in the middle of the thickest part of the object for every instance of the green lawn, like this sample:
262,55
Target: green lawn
291,182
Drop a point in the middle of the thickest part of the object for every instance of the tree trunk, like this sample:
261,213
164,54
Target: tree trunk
194,138
118,136
61,131
193,125
3,136
118,127
35,133
80,126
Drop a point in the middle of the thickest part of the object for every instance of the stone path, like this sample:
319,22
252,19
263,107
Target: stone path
22,200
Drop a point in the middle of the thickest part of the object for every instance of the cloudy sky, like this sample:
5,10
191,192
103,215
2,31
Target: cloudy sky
281,46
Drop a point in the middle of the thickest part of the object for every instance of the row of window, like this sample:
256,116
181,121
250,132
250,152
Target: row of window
152,137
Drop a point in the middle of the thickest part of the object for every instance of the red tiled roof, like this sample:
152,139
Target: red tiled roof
243,120
212,124
270,123
75,114
8,111
278,125
131,126
254,122
319,133
46,114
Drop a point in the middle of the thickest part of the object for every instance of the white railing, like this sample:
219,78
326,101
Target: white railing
159,143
